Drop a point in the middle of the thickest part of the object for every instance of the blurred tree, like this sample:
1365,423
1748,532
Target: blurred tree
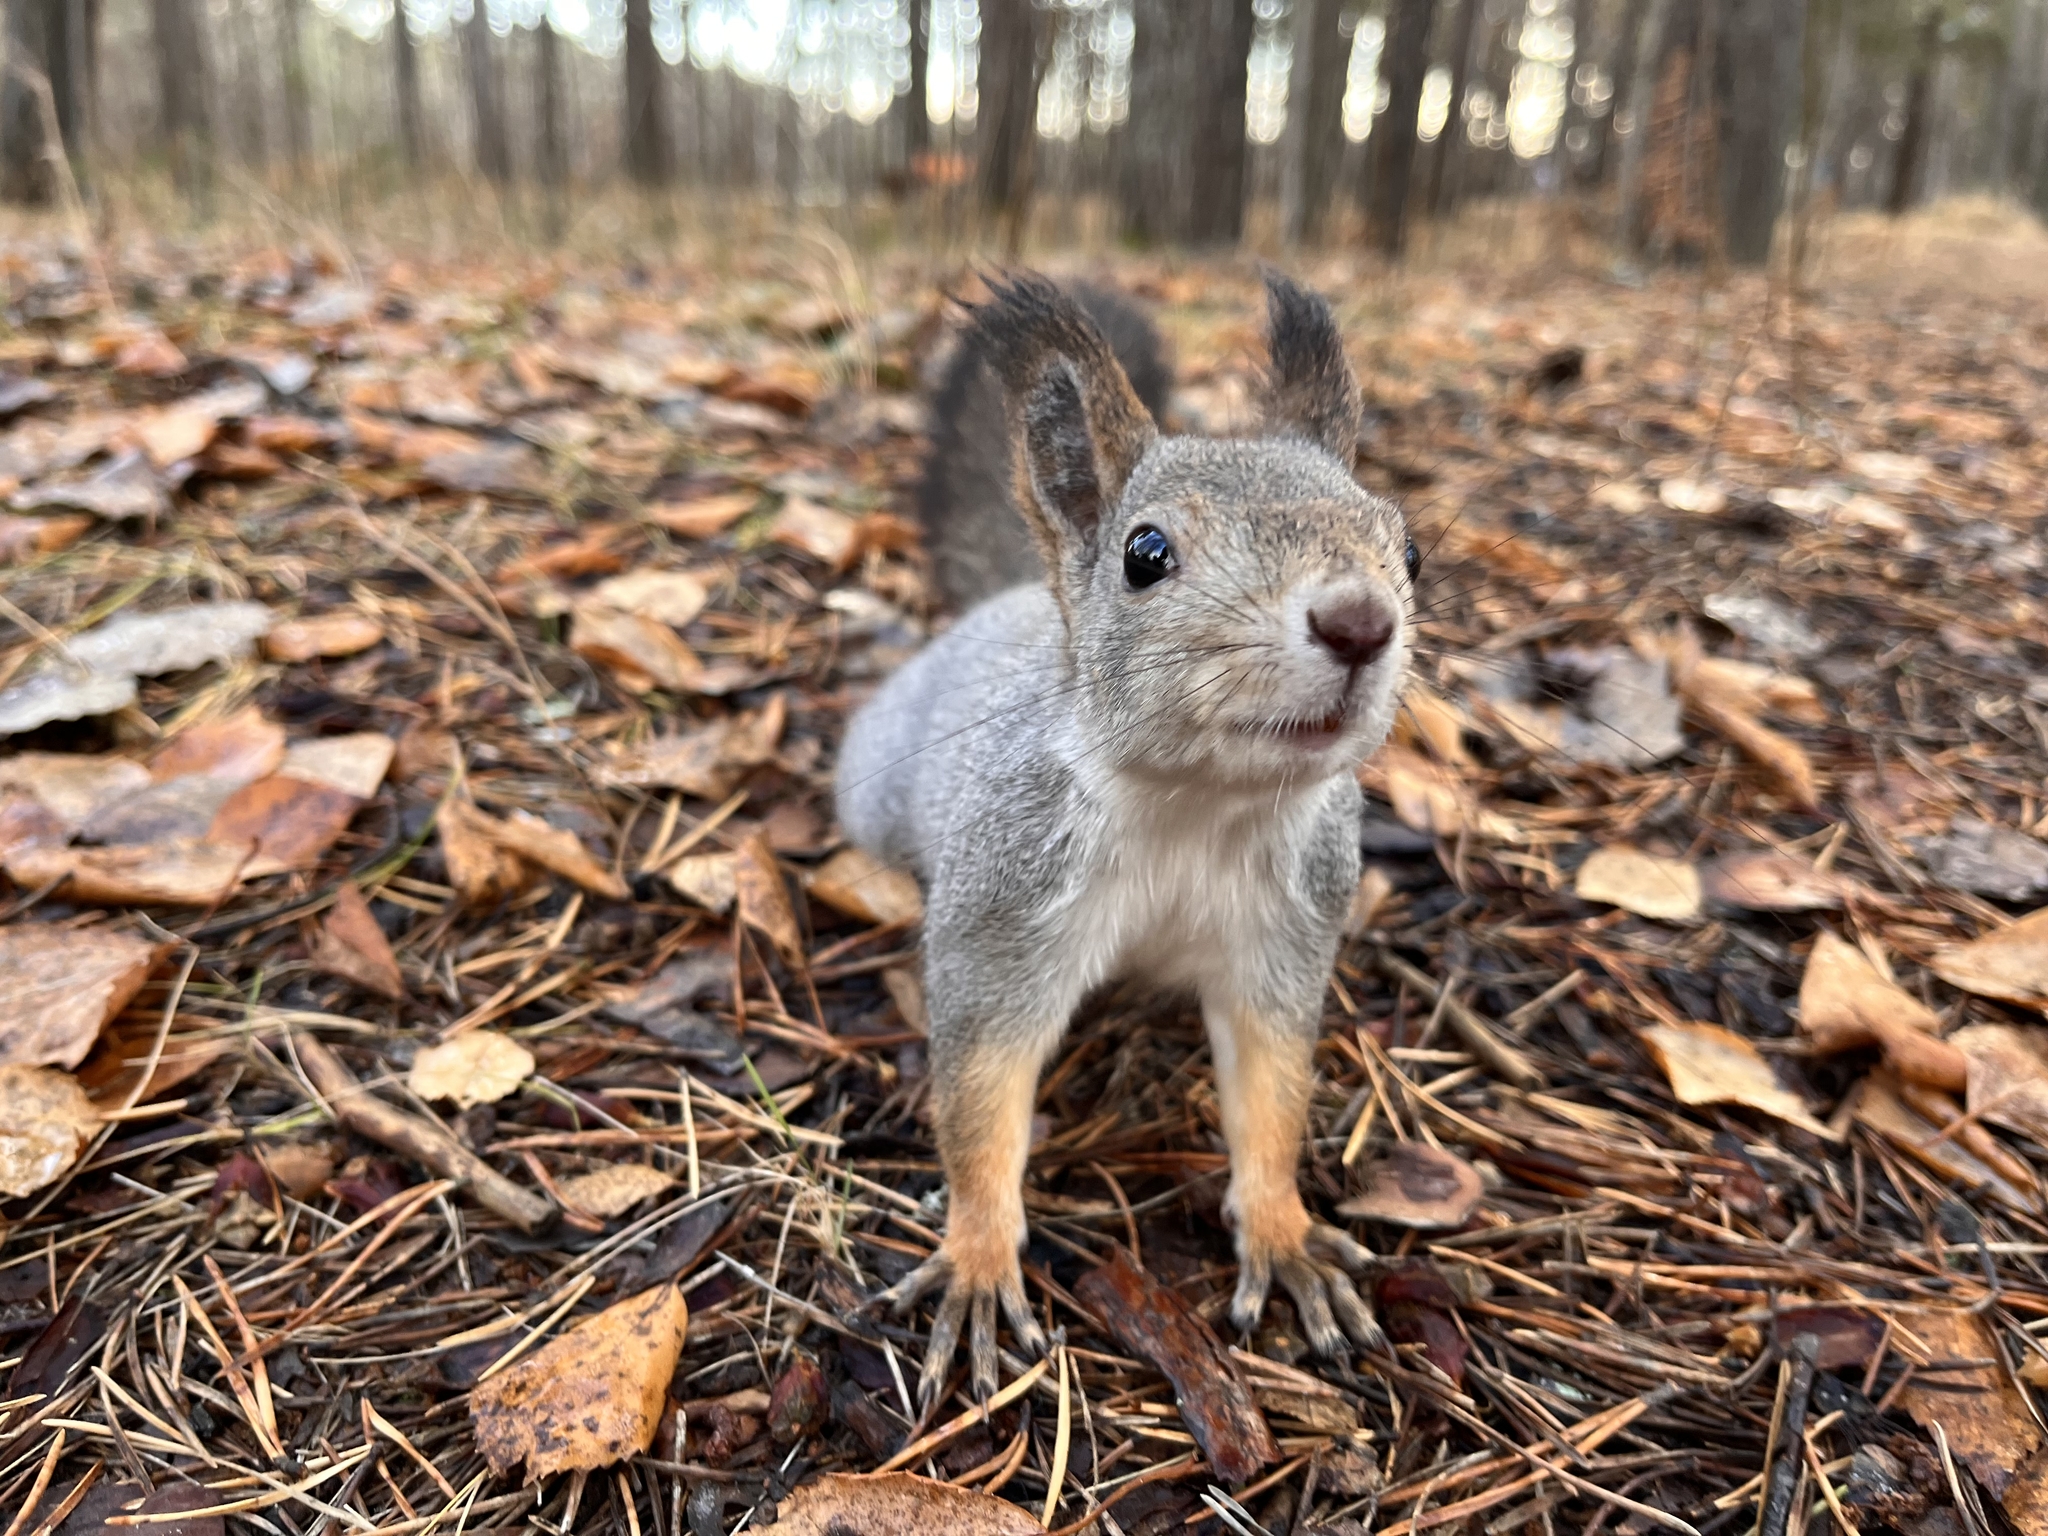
183,91
1005,126
551,152
1314,141
492,148
1453,134
1404,62
1642,90
650,158
1761,81
911,111
405,69
1184,149
26,174
298,118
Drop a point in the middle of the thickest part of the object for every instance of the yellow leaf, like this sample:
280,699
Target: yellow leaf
1707,1064
45,1121
611,1190
1646,884
2009,963
863,887
476,1067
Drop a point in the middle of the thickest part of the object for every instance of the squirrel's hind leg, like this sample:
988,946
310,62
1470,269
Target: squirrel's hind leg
1263,1076
984,1128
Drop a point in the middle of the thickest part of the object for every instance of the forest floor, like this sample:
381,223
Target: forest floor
426,939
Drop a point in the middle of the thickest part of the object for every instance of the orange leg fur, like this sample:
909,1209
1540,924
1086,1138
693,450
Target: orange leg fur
984,1127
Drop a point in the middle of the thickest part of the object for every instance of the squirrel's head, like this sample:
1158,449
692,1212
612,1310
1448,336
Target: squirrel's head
1237,607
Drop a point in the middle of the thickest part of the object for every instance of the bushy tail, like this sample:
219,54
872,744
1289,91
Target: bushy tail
977,538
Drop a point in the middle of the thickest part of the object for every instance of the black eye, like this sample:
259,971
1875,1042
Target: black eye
1413,557
1147,557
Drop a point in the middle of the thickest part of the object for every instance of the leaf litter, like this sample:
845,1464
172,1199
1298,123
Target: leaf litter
420,773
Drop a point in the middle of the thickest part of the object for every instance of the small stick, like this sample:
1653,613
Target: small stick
1777,1510
419,1139
1481,1038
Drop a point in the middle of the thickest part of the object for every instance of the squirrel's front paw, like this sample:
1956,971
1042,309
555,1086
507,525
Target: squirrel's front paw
1316,1272
974,1285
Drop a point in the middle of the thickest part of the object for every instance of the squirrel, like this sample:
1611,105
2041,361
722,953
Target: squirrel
1143,765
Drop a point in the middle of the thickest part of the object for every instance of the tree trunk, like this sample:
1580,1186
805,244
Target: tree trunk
405,71
551,153
493,149
1620,53
1184,150
1405,61
912,110
1763,79
1449,141
1006,124
1642,91
182,89
1919,102
298,118
650,159
26,175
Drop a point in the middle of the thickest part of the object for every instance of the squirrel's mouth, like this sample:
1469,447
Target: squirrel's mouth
1312,734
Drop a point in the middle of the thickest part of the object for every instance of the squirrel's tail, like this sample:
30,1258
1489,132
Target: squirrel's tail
976,536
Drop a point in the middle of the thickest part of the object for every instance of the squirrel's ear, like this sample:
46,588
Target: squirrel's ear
1309,390
1077,428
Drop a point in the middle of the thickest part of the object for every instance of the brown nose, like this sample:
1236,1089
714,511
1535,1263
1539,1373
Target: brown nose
1354,630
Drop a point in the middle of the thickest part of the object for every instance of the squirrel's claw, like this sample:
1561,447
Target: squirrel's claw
1315,1276
976,1307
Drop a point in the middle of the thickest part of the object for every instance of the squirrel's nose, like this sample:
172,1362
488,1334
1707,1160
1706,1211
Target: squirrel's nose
1355,630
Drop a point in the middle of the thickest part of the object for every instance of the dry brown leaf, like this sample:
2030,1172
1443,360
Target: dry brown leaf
704,517
1878,1105
59,987
1707,1064
1418,1186
287,822
2008,1075
352,946
1761,690
2009,963
667,597
818,531
752,736
618,1188
482,870
866,889
45,1122
301,1168
1762,880
1726,714
1978,1408
1436,723
355,764
642,653
241,748
709,879
592,1397
1844,1003
73,784
183,873
1375,889
341,633
896,1504
149,352
1646,884
22,538
763,898
475,1067
128,1047
1431,797
694,763
553,848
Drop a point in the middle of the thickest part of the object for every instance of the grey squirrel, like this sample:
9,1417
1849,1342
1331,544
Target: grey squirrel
1141,765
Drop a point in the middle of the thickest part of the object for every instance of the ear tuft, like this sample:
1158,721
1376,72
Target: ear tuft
1310,391
1077,428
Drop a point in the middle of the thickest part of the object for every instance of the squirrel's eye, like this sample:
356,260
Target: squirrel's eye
1413,557
1147,557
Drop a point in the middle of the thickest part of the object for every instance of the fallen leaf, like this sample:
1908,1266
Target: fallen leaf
496,469
711,880
59,987
896,1503
592,1397
1431,797
2008,1075
1846,1335
1646,884
614,1189
96,672
1978,1408
1763,880
481,870
763,899
1418,1186
1438,724
183,873
1988,860
177,808
149,352
352,946
120,489
668,597
300,1167
864,888
287,822
73,784
1707,1064
705,516
2009,963
1878,1105
474,1067
1844,1003
552,848
1375,889
45,1122
22,538
642,653
130,1046
694,763
240,748
1700,497
817,531
341,633
354,764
